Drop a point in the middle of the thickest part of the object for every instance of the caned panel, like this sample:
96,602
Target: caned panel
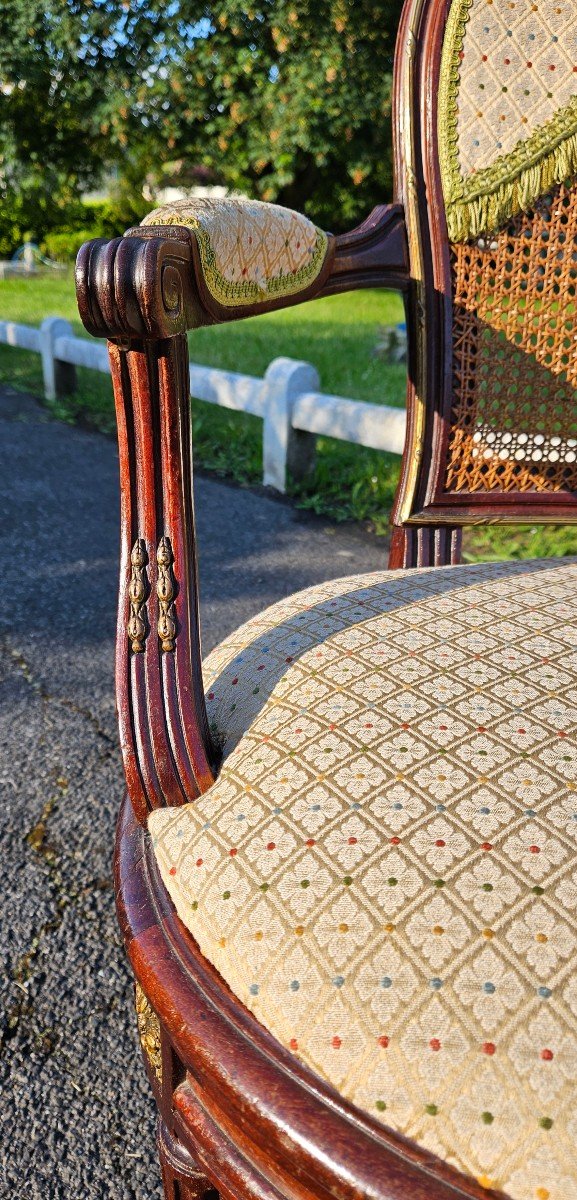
514,417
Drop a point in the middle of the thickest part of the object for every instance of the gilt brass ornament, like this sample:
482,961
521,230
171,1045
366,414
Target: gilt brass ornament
165,592
148,1031
137,591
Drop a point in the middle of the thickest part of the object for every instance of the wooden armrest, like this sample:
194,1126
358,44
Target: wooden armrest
162,279
143,292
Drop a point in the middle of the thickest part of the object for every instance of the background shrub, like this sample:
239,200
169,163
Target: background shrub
62,246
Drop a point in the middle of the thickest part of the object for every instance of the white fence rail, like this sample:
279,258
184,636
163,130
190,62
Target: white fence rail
293,410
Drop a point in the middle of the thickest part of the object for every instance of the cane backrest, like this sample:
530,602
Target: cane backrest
495,157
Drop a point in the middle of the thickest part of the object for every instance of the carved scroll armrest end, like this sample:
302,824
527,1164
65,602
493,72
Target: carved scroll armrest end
140,286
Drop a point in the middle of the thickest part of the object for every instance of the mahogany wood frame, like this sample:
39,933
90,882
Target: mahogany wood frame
238,1114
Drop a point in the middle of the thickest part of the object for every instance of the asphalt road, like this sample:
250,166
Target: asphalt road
76,1118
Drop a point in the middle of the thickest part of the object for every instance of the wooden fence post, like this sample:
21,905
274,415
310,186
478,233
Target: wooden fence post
59,377
286,449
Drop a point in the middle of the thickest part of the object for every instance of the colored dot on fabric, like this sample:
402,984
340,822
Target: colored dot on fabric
435,1044
488,1048
487,1118
547,1055
336,1043
293,1044
172,871
546,1122
384,1041
380,1105
431,1109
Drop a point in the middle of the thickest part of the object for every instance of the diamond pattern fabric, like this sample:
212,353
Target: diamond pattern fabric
518,70
385,871
508,106
249,251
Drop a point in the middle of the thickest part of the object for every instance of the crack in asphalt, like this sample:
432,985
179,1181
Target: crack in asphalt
49,697
23,972
37,838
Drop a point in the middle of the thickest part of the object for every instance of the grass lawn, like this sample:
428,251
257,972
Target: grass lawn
338,335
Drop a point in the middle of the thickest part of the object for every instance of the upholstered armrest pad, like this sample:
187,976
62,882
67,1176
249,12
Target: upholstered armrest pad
250,252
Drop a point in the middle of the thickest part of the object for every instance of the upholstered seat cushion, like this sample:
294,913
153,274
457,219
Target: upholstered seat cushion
250,251
385,871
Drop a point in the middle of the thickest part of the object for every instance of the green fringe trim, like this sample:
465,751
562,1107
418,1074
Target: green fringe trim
232,294
487,199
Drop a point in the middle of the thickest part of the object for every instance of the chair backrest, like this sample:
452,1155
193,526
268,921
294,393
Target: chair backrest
486,168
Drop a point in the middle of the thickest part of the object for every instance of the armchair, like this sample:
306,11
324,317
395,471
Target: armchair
347,878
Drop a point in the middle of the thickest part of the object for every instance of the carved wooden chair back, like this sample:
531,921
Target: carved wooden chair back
486,129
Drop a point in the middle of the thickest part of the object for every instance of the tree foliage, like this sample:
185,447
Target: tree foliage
287,100
64,64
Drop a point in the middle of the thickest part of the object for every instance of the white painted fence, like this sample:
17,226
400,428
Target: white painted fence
293,410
